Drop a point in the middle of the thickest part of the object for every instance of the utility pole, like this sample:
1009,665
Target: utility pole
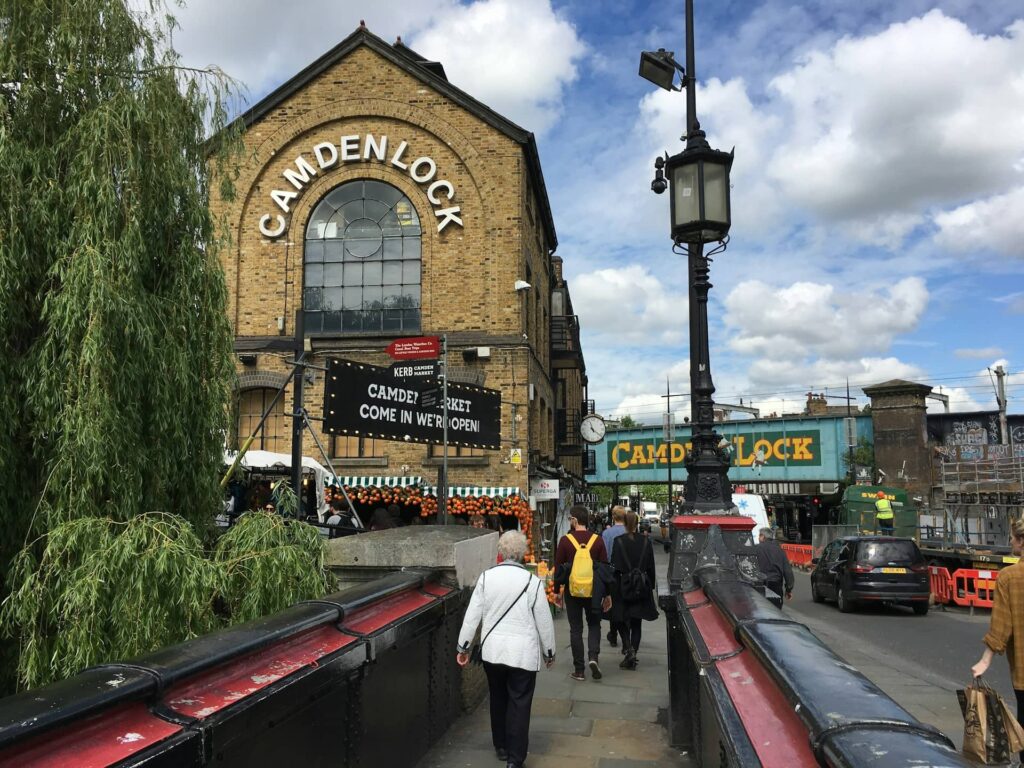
1000,373
851,428
298,413
668,438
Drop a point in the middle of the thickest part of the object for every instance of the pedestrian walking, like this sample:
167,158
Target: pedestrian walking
618,515
1006,625
773,563
633,560
575,556
510,608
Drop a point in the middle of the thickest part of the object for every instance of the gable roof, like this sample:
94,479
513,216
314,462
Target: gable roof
430,73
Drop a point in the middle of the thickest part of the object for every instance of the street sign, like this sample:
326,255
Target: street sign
428,371
415,348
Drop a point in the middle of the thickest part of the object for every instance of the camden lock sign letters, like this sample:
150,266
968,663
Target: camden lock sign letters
772,449
360,149
367,400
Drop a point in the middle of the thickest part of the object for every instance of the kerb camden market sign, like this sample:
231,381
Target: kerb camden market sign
366,400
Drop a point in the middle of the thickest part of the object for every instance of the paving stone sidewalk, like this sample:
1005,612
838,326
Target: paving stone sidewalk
616,722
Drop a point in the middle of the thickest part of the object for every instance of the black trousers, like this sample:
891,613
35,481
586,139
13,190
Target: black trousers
777,588
575,608
511,691
630,631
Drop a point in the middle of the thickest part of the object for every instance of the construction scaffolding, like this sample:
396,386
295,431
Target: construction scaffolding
981,498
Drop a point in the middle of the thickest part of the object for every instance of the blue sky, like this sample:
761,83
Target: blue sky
878,187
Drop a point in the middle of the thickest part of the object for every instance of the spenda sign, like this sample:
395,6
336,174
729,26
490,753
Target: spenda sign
771,449
327,155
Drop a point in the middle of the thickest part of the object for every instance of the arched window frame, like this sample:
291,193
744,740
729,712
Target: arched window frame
362,261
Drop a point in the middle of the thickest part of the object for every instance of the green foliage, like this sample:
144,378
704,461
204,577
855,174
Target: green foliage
268,563
102,590
117,351
628,422
863,455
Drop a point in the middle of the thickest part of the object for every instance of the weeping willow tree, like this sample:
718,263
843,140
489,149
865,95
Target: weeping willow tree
115,350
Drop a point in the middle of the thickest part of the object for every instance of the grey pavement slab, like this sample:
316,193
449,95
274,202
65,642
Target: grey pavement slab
607,723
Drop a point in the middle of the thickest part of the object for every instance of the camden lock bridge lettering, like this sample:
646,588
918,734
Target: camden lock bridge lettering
361,149
769,449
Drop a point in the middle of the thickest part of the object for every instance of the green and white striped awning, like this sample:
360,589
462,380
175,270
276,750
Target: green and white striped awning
378,482
494,491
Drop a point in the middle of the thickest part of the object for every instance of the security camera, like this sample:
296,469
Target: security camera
522,285
659,185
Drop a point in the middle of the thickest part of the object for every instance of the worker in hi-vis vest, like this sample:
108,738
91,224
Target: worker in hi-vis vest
883,514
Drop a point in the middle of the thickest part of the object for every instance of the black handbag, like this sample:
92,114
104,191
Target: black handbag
476,653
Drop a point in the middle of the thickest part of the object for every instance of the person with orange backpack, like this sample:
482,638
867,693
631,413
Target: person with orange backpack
577,553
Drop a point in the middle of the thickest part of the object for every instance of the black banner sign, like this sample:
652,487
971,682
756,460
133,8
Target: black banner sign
362,399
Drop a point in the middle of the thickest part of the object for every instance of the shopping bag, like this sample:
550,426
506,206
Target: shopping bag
988,725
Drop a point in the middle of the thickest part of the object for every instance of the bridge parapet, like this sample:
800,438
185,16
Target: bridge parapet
322,683
751,687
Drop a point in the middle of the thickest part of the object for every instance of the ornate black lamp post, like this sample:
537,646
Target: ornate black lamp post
698,180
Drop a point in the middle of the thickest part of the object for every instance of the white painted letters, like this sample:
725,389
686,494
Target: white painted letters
349,148
319,150
272,233
423,171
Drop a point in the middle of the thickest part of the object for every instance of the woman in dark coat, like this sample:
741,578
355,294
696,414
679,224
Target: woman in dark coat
631,550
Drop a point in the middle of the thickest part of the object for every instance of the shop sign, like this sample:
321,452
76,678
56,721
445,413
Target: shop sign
366,400
587,498
429,371
758,449
360,149
544,488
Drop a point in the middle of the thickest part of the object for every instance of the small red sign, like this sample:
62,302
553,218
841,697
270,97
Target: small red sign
417,348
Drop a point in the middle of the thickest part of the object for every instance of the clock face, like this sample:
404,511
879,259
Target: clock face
592,429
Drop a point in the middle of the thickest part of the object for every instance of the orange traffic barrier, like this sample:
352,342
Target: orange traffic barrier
974,588
798,554
941,584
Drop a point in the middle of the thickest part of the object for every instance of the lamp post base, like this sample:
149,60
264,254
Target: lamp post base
708,490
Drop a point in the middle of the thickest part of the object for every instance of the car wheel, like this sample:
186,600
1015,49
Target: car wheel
921,608
815,595
843,602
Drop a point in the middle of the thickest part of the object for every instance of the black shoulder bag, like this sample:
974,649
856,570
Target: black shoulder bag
476,653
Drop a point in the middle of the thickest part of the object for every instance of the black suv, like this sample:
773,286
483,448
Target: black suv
871,568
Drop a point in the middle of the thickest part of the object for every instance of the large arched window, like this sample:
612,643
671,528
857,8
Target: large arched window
362,261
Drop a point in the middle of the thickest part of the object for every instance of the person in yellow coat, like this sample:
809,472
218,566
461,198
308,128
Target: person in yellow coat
884,514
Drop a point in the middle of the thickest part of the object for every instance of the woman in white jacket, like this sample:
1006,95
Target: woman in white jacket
518,636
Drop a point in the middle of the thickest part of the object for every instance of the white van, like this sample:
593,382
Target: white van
752,505
651,512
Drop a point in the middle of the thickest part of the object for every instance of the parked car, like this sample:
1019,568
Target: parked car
858,569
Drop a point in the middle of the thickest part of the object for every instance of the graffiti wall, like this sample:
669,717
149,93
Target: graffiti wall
975,436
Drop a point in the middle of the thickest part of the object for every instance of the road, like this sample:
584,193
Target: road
920,661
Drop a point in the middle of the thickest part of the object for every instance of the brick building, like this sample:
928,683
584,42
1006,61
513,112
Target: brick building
381,201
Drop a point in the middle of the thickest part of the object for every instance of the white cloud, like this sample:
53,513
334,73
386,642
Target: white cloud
886,124
816,374
996,223
978,353
960,401
516,56
629,305
811,319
